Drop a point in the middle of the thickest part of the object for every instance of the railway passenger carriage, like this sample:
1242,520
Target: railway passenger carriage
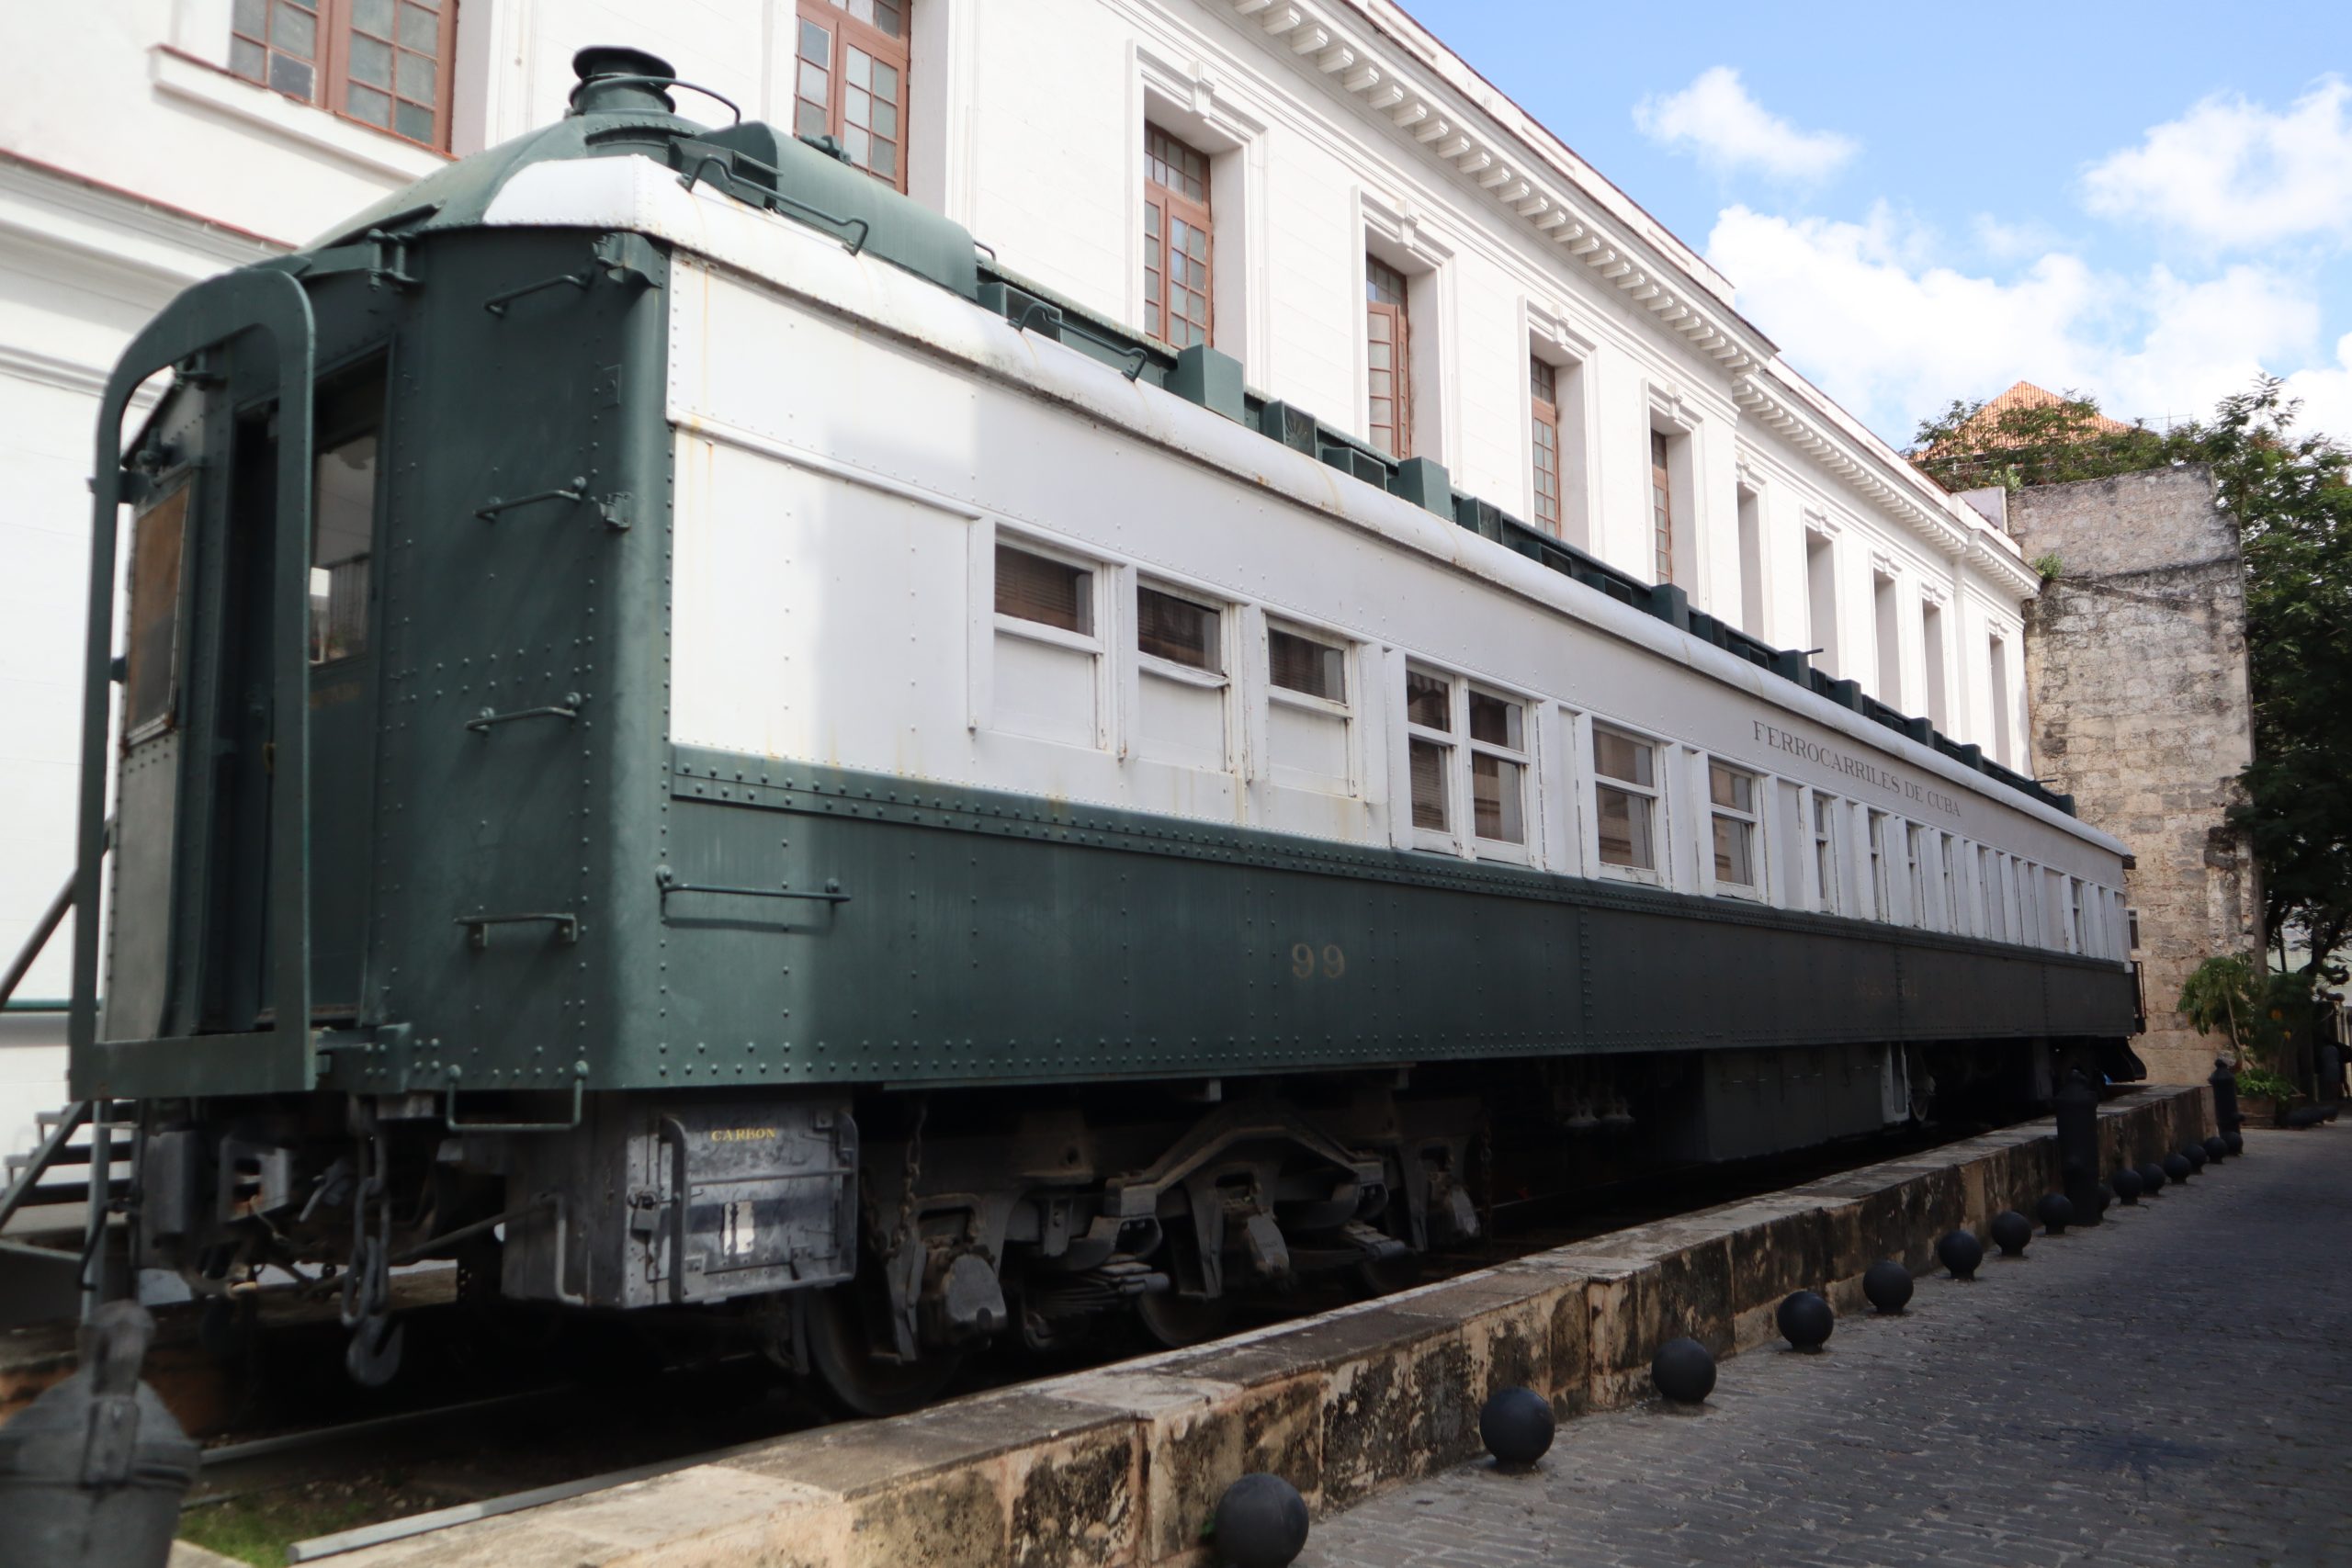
691,740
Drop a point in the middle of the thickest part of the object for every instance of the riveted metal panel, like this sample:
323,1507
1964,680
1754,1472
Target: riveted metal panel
968,936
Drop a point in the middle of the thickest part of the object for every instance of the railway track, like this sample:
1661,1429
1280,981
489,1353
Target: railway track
317,1492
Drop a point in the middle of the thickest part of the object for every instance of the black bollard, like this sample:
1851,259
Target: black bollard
1684,1370
2177,1169
1804,1319
2010,1230
1260,1523
2225,1084
1887,1285
2078,1162
1517,1427
1961,1252
2128,1187
2153,1179
91,1472
2217,1148
2195,1156
2056,1213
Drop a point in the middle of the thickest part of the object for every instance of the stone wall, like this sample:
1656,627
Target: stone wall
2136,670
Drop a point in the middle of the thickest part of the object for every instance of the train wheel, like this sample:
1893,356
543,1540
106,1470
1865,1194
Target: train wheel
1177,1320
840,1352
1388,1278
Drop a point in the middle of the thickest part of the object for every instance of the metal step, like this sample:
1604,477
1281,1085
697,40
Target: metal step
72,1154
54,1194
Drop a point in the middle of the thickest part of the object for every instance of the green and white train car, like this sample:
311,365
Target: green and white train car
690,740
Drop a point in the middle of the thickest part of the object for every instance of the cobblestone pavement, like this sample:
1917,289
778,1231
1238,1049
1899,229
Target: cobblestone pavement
2173,1387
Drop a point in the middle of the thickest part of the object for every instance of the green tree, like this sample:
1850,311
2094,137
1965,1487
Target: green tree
2290,492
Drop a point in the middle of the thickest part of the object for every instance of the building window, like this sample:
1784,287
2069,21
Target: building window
1175,240
1890,639
1731,792
2132,923
2002,746
382,62
1824,850
1662,504
1821,599
1931,655
1498,768
1881,903
1625,799
1388,358
1751,562
1543,398
851,82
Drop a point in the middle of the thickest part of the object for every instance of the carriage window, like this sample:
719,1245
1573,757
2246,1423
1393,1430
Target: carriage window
342,514
1915,870
157,543
1180,680
1627,799
1951,873
1303,664
1428,722
1825,848
1880,902
1178,630
1498,768
1050,593
1731,792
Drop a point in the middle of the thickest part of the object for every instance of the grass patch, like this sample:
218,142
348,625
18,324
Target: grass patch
258,1529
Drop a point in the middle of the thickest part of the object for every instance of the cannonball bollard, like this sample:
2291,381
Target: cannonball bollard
2195,1156
1517,1427
2177,1169
2128,1187
91,1472
1684,1370
2217,1148
2056,1213
2010,1230
1887,1285
2237,1140
1260,1523
1961,1252
1804,1319
2152,1179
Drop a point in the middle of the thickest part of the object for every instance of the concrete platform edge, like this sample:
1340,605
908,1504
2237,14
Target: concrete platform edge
1123,1464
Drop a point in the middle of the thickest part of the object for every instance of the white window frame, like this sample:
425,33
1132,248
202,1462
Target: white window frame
1139,664
1874,823
1759,787
1525,852
1107,584
1454,838
1353,677
1588,764
1821,832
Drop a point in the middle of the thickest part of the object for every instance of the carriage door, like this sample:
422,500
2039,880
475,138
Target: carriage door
347,481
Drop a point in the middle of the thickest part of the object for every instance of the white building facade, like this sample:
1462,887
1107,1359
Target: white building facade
1318,187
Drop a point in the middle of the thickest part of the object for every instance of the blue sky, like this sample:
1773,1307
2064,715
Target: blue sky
1916,203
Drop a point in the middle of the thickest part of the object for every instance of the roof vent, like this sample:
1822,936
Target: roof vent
617,79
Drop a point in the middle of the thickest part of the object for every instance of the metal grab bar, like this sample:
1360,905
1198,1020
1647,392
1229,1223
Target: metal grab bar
496,304
577,491
726,162
568,710
567,926
1137,357
668,879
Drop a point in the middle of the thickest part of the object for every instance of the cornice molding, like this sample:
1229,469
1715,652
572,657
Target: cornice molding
1552,198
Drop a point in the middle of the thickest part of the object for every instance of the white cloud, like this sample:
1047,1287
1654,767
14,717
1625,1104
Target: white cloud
1714,119
2326,392
2234,175
1895,339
